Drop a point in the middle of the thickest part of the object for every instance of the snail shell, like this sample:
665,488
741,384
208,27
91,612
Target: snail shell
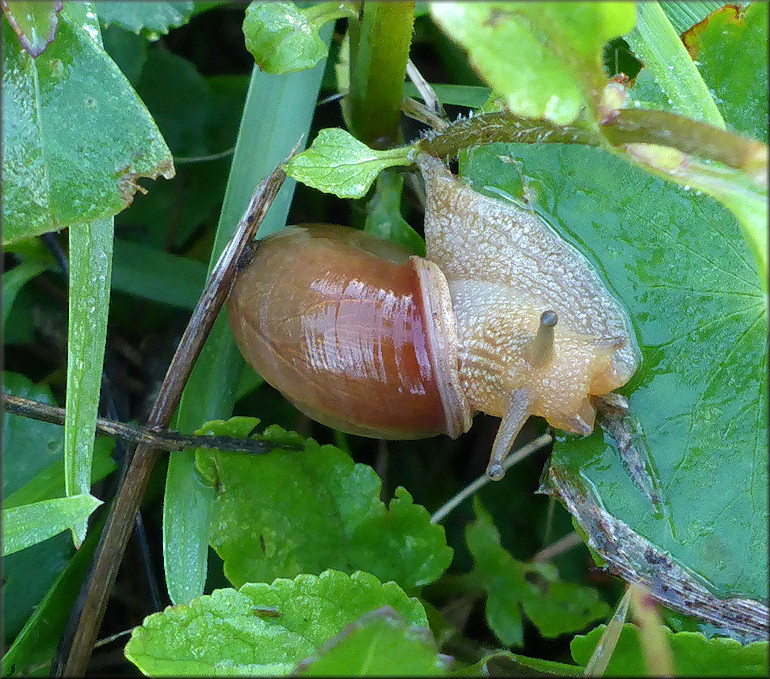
354,331
503,317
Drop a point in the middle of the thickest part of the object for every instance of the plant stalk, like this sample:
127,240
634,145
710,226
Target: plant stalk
379,51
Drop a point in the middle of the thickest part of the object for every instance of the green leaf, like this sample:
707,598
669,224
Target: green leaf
502,663
383,214
560,607
657,44
544,59
89,300
49,483
29,524
730,47
459,95
35,23
75,136
37,641
15,279
284,39
150,19
694,655
677,262
316,509
176,281
261,629
338,163
277,113
380,643
739,191
554,607
684,15
29,446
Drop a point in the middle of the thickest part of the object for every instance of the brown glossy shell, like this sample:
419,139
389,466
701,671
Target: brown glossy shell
342,324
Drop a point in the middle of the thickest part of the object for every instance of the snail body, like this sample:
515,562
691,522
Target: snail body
502,316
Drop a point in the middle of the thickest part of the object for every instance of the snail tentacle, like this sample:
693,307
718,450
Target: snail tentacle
513,420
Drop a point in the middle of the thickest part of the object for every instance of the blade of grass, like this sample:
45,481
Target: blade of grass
15,279
379,50
277,112
176,280
657,44
27,525
36,643
89,300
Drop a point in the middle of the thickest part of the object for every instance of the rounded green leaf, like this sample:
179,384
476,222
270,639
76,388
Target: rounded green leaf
693,654
287,513
380,643
544,59
261,629
730,48
150,19
678,263
282,38
554,606
338,163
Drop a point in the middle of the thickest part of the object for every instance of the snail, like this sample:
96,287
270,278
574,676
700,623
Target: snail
502,316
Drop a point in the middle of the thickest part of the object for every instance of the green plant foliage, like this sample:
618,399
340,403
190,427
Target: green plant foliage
29,446
128,50
15,279
49,483
66,161
90,269
383,214
459,95
338,163
656,44
678,263
198,117
284,39
380,643
693,654
544,59
176,281
148,19
555,607
33,470
29,524
313,510
729,48
502,663
683,15
35,23
34,646
261,629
